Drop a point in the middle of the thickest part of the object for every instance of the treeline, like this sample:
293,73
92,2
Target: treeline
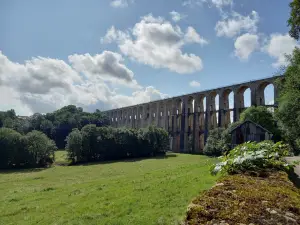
106,143
56,125
34,149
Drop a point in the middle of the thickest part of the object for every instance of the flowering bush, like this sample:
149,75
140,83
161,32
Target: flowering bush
253,156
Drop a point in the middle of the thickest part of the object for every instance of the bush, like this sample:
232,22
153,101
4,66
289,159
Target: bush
31,150
217,142
106,143
253,156
74,144
10,148
40,148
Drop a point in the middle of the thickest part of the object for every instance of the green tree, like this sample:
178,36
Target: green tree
288,112
294,20
218,142
40,148
10,147
74,145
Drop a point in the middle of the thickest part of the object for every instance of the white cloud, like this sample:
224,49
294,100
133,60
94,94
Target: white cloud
216,3
106,66
278,46
112,34
245,45
44,84
121,3
236,23
156,42
194,83
191,36
193,3
146,95
222,3
176,16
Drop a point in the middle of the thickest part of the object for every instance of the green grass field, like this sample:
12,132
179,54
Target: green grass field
148,191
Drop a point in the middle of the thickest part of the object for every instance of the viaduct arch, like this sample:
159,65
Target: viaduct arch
188,118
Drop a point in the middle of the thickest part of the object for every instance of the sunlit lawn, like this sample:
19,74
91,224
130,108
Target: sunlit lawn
148,191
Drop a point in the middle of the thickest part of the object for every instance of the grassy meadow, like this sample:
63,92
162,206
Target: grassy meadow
142,191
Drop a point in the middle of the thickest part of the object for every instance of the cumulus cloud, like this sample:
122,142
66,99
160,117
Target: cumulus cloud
45,84
106,66
156,42
245,45
176,16
278,46
194,83
141,96
191,36
121,3
236,23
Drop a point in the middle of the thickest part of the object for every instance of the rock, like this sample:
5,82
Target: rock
290,214
290,219
219,184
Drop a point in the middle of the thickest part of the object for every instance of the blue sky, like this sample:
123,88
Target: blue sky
104,54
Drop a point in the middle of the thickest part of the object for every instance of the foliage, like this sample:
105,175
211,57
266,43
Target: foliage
217,142
143,191
40,148
294,20
74,144
252,156
288,112
32,150
244,199
10,147
106,143
56,125
262,116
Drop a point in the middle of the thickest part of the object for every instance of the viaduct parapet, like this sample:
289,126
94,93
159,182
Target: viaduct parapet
188,118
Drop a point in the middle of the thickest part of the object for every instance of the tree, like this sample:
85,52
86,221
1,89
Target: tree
288,112
262,116
10,147
217,143
40,148
74,145
294,20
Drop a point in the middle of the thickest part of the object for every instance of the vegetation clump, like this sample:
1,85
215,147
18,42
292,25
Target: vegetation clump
34,149
106,143
254,157
244,199
217,142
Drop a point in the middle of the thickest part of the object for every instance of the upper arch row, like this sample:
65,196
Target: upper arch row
256,85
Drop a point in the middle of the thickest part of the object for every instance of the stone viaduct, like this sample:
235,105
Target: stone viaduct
188,118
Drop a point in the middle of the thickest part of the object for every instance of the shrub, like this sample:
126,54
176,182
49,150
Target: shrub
10,147
40,148
106,143
74,145
31,150
217,142
253,156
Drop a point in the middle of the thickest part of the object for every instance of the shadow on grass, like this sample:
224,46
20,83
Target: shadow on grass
166,156
22,170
